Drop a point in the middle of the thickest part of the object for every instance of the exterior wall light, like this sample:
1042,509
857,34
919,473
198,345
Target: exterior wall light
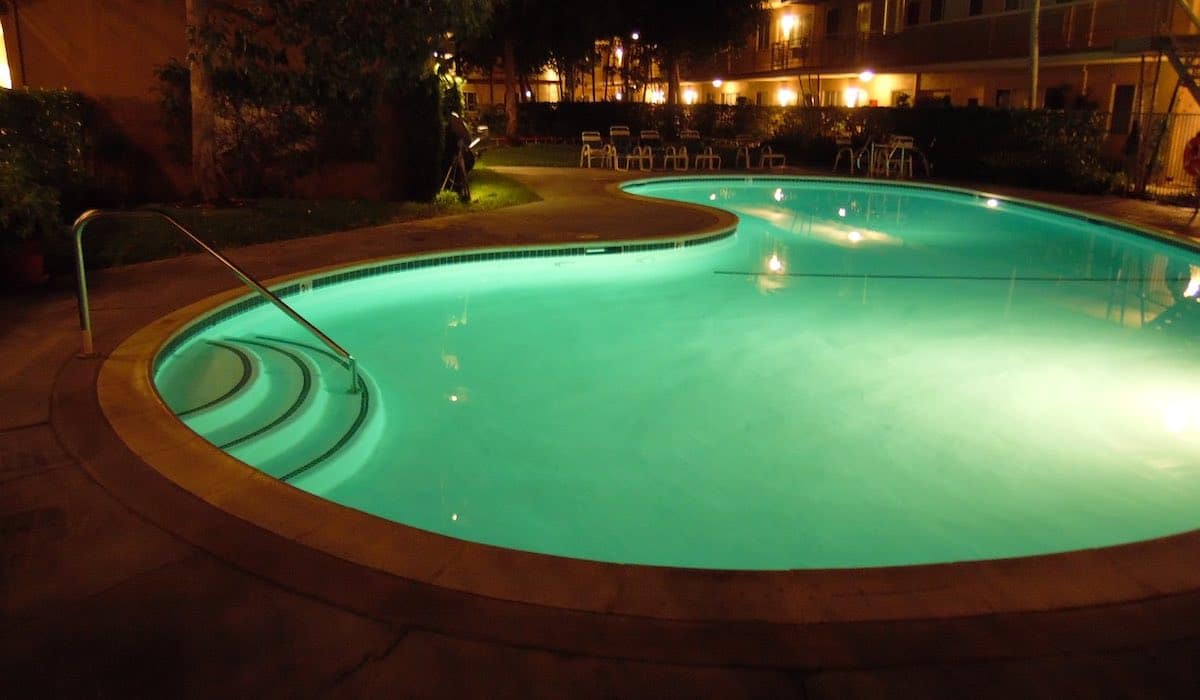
866,75
787,23
717,82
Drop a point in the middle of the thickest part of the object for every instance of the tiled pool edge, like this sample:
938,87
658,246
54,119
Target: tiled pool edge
1162,236
303,282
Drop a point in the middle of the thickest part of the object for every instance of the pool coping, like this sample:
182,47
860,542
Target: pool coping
1095,577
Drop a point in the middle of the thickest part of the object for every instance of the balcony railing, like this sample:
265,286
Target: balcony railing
1069,28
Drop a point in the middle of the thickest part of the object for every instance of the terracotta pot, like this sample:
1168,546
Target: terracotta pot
24,264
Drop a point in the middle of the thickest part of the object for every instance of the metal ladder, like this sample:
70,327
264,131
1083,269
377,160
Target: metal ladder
85,314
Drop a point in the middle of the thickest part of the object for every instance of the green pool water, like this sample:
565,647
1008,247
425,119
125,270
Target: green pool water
863,375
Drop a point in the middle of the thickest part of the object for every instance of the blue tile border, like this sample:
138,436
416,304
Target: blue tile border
354,273
902,187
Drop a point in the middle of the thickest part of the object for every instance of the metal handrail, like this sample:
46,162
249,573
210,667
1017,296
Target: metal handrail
85,314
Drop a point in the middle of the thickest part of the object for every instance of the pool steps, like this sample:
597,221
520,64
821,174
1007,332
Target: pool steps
277,404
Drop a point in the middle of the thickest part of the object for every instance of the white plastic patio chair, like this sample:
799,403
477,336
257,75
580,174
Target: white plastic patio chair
745,142
704,156
771,159
899,156
622,147
845,148
593,150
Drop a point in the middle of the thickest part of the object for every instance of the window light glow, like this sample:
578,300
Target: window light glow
787,23
620,52
786,96
619,96
854,97
689,96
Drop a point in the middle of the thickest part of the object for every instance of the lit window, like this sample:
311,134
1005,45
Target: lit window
912,13
5,74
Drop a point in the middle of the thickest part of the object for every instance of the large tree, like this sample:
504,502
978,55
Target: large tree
676,32
527,36
288,65
205,170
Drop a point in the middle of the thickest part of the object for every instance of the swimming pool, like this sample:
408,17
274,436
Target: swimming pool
864,375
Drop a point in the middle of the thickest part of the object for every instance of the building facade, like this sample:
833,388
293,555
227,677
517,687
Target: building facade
961,52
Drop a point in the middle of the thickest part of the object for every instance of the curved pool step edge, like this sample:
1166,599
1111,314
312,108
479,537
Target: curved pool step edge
302,396
240,384
274,388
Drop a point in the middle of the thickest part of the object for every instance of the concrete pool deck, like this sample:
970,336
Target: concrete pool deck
117,582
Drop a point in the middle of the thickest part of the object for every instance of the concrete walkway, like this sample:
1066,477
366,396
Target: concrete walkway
101,594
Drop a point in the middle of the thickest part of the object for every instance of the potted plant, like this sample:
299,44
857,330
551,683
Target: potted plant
29,219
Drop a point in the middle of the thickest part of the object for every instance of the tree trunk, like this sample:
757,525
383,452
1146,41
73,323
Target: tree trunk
391,144
1034,53
511,97
672,81
205,171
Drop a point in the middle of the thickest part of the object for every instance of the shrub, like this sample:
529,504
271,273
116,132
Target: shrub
28,210
43,139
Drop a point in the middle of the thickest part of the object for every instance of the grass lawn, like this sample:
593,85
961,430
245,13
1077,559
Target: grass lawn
114,242
546,154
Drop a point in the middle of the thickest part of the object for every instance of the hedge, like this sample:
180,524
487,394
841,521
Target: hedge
1045,148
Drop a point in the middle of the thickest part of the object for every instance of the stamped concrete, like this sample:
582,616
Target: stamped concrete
116,582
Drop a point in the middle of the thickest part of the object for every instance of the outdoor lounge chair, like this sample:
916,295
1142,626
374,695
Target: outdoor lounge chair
622,148
676,157
845,147
593,150
704,156
745,144
650,141
771,159
899,157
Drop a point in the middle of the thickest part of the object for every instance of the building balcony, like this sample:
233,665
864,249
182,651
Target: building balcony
1064,29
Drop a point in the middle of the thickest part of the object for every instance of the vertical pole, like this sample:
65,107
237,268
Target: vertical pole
1034,56
86,348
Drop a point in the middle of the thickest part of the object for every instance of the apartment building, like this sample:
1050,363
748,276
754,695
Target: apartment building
963,52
